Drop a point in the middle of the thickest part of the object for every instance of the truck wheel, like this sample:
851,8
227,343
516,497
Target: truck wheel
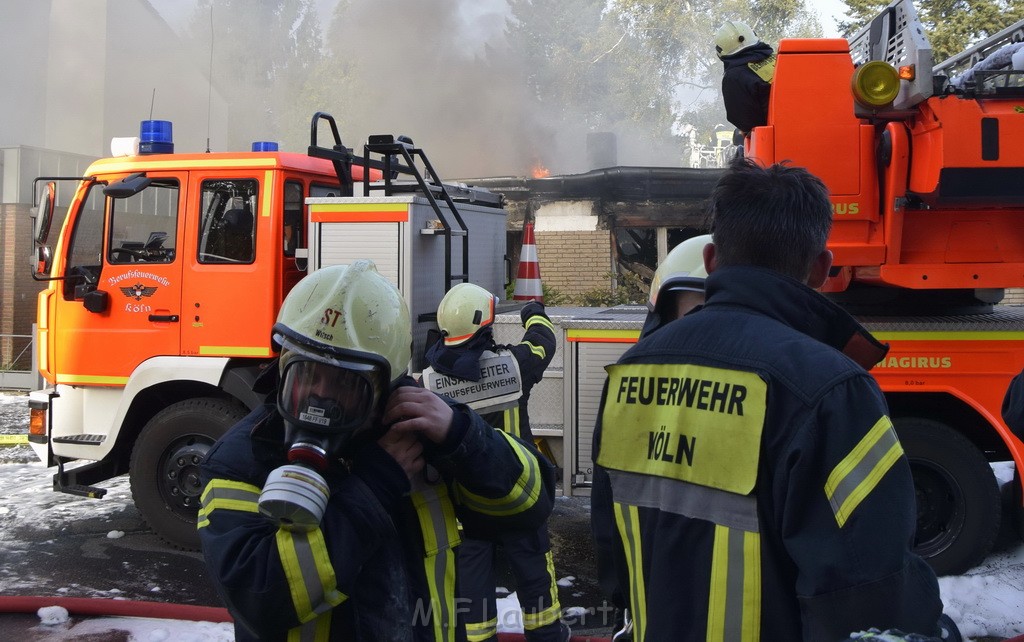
164,468
958,503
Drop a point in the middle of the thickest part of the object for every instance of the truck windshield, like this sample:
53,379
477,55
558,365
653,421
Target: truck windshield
143,227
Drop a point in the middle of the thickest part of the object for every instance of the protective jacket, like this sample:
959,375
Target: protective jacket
528,553
746,86
381,565
532,354
748,465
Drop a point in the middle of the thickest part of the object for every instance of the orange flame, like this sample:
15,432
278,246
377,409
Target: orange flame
539,171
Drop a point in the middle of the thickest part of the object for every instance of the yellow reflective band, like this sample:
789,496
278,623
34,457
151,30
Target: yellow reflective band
551,614
734,598
537,350
537,319
627,519
358,207
224,494
440,572
436,516
976,335
533,621
319,630
610,336
266,207
524,492
751,586
235,351
440,530
94,379
511,421
691,423
193,163
859,472
479,631
308,570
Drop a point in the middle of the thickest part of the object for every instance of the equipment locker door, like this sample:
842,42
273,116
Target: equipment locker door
119,303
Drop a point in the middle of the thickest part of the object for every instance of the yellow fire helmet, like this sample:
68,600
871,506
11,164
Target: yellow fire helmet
463,311
734,36
682,269
348,313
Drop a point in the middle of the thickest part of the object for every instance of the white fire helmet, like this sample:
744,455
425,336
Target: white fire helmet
463,311
682,269
345,337
734,36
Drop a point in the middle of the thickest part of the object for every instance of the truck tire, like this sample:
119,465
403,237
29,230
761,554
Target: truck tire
164,467
958,501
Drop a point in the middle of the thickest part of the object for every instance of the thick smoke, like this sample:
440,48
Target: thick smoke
442,73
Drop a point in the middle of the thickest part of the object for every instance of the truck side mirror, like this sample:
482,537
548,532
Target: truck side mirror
42,216
43,213
42,260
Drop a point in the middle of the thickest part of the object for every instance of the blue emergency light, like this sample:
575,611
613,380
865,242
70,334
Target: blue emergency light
264,146
155,137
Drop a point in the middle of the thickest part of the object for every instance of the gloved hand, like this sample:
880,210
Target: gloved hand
532,308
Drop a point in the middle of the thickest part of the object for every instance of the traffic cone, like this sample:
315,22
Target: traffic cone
528,287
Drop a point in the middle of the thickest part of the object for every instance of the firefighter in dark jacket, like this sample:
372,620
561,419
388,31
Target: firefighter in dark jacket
495,380
747,81
676,289
331,514
751,463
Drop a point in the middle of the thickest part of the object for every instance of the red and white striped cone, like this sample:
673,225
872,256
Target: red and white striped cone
528,286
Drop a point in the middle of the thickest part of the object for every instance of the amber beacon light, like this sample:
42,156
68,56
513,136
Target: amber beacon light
875,84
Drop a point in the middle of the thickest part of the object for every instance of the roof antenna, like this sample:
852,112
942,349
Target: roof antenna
152,101
209,91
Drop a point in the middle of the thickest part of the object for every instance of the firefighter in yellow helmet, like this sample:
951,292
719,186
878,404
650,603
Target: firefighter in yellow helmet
678,284
495,380
749,69
329,513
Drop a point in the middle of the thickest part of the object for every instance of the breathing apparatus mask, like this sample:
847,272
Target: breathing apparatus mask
344,336
330,403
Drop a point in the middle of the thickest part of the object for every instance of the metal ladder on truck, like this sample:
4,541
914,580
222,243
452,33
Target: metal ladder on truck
397,157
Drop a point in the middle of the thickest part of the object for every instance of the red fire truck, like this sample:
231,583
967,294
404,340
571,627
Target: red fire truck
168,274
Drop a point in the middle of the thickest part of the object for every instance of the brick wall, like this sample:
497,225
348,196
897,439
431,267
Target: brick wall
1013,296
574,262
17,287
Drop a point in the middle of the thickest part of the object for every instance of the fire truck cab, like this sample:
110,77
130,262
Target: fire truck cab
167,276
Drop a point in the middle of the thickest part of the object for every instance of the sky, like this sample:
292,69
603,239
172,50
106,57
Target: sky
986,601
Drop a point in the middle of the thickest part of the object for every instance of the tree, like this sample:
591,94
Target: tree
264,54
951,25
676,40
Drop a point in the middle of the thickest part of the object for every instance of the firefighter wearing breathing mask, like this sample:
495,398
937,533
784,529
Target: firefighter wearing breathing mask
496,380
330,514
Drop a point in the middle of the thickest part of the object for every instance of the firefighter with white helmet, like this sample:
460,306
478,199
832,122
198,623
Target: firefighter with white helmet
749,69
678,284
495,380
330,512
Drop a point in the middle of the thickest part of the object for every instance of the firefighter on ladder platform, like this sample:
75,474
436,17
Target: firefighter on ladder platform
467,365
331,515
